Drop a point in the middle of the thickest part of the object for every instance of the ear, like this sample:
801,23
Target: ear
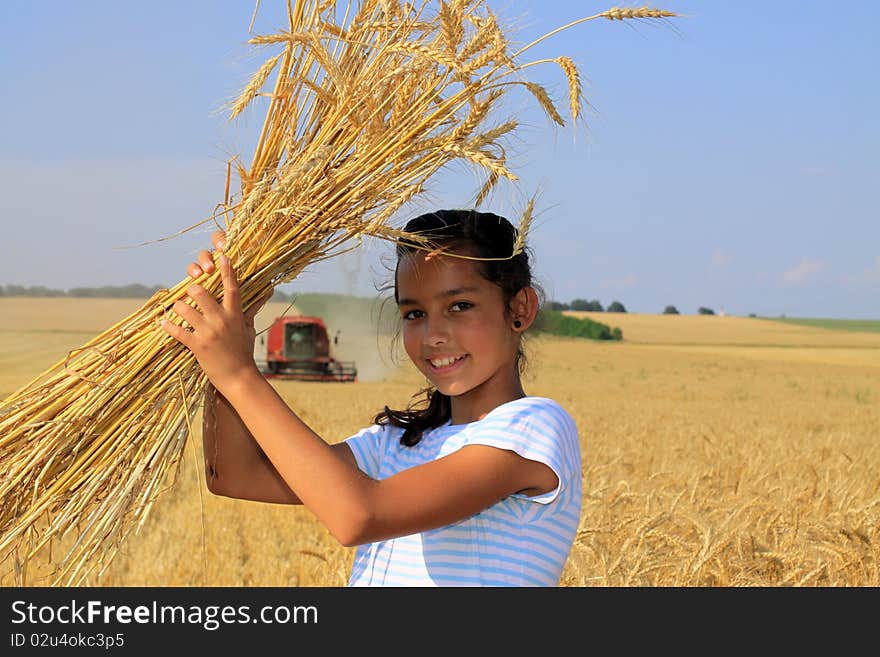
524,308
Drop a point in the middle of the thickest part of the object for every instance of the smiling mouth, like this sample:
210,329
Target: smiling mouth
446,364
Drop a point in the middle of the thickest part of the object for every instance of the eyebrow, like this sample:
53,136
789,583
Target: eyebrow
448,293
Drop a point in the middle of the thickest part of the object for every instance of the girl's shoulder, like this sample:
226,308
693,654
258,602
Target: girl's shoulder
536,428
535,402
531,417
530,406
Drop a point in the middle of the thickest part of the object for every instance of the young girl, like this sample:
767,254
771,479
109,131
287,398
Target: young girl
480,488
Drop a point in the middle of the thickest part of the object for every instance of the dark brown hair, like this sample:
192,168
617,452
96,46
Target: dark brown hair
482,235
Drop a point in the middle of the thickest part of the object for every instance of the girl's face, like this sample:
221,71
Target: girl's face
449,311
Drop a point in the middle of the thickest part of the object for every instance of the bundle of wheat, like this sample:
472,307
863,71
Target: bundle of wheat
370,99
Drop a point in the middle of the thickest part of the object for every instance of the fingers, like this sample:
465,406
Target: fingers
190,314
205,260
177,332
204,265
231,293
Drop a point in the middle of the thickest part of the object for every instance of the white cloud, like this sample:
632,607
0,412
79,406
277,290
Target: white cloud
622,283
801,272
869,276
720,259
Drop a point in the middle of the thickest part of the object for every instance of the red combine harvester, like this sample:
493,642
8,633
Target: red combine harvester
298,347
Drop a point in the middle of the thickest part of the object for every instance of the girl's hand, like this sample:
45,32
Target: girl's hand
205,261
205,265
221,336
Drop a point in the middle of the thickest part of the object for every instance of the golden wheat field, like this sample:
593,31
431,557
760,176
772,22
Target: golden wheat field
717,451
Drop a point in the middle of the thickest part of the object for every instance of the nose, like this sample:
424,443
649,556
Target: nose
436,331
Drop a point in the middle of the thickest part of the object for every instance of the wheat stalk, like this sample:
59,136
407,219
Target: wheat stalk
629,13
575,97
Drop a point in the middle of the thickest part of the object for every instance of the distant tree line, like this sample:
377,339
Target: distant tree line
614,307
133,291
584,305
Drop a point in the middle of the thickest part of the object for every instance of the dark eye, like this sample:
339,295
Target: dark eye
462,303
408,315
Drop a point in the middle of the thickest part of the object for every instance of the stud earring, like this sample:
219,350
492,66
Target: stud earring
517,323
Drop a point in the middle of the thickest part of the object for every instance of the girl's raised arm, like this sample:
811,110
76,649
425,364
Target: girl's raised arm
235,465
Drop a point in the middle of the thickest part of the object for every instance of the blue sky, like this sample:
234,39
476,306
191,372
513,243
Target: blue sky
729,160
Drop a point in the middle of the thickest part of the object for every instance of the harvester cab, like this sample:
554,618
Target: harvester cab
298,347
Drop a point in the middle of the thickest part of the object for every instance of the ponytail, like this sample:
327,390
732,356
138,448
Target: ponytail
415,421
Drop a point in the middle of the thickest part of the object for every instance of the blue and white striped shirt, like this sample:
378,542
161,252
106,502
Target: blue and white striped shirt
519,541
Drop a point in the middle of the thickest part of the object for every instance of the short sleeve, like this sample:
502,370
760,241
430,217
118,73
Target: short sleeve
538,429
367,446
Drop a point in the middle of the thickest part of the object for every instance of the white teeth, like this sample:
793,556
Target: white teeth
445,361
